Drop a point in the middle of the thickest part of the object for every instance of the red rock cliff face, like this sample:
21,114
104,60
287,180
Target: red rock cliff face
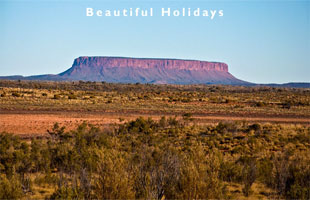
146,70
143,63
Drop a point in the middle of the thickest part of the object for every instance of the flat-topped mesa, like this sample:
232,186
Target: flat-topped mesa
144,70
149,63
148,70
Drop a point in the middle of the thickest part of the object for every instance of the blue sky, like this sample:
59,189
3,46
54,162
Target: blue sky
261,41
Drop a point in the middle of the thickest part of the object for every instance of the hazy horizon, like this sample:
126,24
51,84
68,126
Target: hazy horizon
262,42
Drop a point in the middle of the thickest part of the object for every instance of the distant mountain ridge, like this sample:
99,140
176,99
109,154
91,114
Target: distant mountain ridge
144,70
291,85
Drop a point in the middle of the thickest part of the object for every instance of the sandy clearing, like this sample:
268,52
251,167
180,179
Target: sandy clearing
38,124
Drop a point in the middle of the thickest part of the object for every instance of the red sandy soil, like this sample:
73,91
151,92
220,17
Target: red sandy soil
37,123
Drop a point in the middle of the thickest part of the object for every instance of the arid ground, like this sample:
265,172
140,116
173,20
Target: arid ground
31,108
96,140
28,123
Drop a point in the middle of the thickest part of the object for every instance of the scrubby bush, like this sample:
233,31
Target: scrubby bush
10,188
16,94
149,159
66,192
187,116
115,181
72,96
56,96
140,125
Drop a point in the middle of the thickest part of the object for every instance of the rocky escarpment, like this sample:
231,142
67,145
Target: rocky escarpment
145,63
142,70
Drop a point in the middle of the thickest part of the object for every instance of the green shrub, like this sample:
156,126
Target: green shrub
187,116
10,188
16,94
115,180
260,104
56,96
147,159
66,192
72,96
